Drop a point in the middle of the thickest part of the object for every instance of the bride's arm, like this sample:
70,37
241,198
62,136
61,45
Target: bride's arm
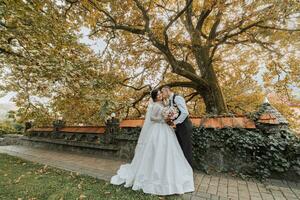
155,114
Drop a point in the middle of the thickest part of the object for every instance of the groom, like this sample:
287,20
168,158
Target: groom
184,126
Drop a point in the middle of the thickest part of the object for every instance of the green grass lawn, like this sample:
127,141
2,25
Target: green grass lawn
21,179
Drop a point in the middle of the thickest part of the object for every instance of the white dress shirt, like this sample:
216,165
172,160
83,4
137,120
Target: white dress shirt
181,105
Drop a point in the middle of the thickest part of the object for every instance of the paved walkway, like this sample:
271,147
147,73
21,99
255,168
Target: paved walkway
207,186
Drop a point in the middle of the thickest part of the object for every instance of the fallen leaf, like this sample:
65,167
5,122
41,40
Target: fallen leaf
19,178
82,196
72,174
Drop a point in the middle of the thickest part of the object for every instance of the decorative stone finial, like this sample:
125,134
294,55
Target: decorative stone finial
266,100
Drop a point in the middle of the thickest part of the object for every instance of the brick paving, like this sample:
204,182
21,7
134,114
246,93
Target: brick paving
208,187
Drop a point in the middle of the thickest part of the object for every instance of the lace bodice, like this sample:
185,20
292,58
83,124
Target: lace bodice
157,113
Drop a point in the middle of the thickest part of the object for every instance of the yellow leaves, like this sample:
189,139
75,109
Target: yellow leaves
74,174
78,82
19,179
82,196
91,19
55,63
43,170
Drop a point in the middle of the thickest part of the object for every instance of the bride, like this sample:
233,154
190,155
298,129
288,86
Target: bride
159,166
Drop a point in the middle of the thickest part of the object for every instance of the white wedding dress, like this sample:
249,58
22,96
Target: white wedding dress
159,166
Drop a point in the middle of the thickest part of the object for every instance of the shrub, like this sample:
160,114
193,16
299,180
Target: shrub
7,127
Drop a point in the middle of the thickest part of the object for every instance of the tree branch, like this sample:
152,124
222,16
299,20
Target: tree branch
174,19
128,28
276,28
191,96
135,88
180,84
103,11
204,14
145,15
242,30
71,2
188,22
212,33
135,76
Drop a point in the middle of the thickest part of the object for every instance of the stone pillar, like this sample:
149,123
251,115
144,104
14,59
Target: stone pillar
112,128
28,125
58,124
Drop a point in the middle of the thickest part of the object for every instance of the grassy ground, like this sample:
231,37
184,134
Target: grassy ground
25,180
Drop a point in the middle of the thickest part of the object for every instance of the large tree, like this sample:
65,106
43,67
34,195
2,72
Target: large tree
208,50
197,40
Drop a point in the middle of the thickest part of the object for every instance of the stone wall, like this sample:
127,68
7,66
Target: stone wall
259,144
10,139
234,150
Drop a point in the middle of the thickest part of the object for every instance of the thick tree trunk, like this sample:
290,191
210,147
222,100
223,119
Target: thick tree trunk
213,96
214,100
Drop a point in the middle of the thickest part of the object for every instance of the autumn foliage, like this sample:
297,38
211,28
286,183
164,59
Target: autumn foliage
223,56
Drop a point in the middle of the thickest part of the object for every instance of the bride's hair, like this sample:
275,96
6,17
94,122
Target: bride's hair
154,94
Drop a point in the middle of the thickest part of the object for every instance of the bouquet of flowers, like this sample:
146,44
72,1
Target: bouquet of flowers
170,112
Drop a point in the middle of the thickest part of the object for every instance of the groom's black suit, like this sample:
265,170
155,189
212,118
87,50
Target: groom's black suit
184,129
